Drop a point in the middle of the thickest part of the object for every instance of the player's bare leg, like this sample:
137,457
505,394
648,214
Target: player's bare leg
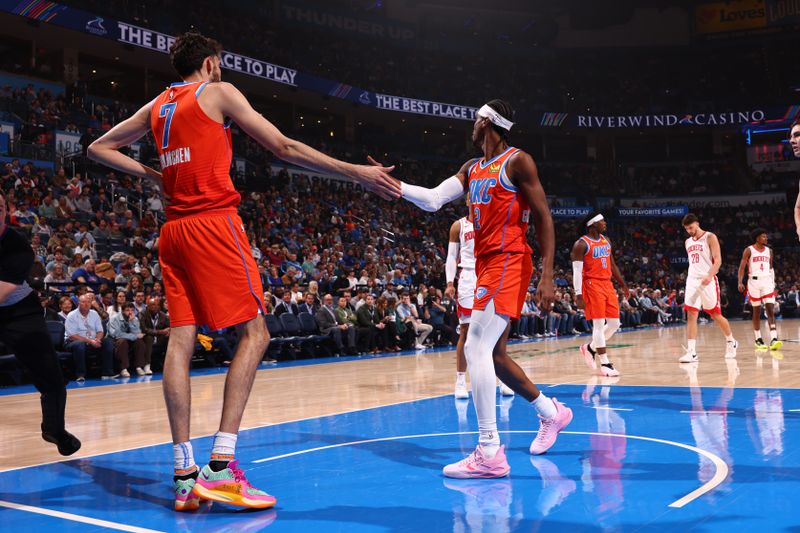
222,480
510,373
176,385
461,392
760,345
730,342
253,342
774,343
178,397
691,337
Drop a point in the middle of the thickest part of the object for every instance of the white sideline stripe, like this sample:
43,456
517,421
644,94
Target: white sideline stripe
719,475
2,471
577,381
708,412
793,411
606,408
77,518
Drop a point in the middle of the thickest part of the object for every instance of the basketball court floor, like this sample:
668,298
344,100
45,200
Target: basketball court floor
358,444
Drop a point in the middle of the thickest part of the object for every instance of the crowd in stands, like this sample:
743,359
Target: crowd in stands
368,274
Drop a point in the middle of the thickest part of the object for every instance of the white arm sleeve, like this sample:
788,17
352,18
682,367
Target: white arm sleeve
451,265
433,199
577,277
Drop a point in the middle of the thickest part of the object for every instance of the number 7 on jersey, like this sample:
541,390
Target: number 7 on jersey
166,110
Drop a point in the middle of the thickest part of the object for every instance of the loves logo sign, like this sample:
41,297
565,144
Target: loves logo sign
730,16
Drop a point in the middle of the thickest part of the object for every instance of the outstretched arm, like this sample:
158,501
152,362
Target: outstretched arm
432,200
232,103
523,174
105,150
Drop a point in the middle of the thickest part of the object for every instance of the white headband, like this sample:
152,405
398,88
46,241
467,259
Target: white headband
598,218
495,117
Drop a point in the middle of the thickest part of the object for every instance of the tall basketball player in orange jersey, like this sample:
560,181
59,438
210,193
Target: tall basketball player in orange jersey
593,266
503,188
210,276
758,260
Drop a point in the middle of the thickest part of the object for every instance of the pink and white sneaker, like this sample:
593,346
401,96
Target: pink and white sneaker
475,465
549,428
588,358
608,370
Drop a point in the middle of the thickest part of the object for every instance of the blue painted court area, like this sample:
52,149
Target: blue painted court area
633,459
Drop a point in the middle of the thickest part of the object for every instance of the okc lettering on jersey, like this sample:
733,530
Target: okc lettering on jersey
174,157
479,190
695,248
601,251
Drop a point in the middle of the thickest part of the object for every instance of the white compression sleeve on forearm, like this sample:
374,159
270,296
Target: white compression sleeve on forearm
577,277
451,265
433,199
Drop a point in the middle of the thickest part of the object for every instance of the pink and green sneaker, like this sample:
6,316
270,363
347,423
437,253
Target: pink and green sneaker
231,486
185,499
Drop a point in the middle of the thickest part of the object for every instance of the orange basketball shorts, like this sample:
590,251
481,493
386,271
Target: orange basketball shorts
600,298
210,277
504,279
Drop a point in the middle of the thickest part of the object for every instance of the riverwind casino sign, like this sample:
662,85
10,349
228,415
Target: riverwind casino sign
668,120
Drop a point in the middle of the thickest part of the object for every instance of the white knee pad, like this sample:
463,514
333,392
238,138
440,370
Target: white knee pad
612,325
598,335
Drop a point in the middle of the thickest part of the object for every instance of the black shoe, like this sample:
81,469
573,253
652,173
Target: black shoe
66,442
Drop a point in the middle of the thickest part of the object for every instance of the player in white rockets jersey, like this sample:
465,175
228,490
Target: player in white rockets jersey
461,255
702,286
757,258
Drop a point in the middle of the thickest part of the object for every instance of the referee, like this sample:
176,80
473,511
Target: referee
23,330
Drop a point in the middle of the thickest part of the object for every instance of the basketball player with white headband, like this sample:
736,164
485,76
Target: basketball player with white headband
593,266
503,188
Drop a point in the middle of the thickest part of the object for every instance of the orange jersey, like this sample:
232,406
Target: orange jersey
195,153
499,212
597,259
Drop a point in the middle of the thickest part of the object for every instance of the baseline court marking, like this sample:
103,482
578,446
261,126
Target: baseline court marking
260,426
719,475
77,518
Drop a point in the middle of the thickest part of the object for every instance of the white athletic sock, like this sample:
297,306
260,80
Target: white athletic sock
183,456
691,344
757,334
486,328
603,358
729,338
224,444
773,332
461,378
544,406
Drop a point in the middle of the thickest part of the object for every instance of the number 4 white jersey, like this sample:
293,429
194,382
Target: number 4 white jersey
760,264
700,258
